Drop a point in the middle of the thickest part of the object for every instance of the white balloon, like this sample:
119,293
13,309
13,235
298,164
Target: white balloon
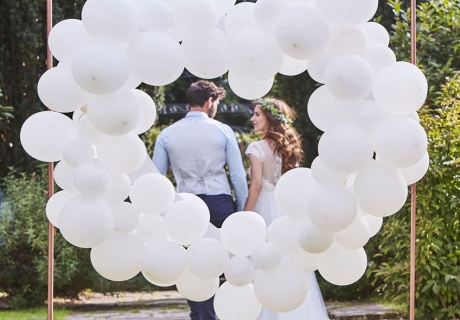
416,171
325,175
282,232
379,57
163,262
400,141
293,191
374,223
236,302
239,271
281,289
111,21
212,232
327,112
122,154
58,90
86,222
332,208
376,33
195,17
223,6
152,193
242,231
349,77
156,58
342,266
293,67
368,115
55,203
155,16
100,69
304,261
87,131
352,12
148,111
400,88
380,189
301,33
119,258
240,17
45,134
247,89
313,239
63,176
266,256
266,12
206,258
254,55
146,168
92,178
186,221
317,66
346,149
355,236
151,228
345,40
114,114
119,188
206,54
126,217
77,151
66,37
195,288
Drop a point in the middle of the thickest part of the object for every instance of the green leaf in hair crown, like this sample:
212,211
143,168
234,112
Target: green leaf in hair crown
277,113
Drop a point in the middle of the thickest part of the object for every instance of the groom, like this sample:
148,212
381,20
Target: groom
198,148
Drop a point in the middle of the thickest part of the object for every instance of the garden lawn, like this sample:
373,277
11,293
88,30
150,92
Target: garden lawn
33,314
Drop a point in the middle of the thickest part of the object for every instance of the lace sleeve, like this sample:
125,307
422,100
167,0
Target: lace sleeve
255,149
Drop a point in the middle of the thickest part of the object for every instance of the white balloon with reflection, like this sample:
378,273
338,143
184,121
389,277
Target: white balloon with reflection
239,271
126,217
77,151
248,89
236,302
313,239
55,204
195,288
206,258
92,178
152,193
195,17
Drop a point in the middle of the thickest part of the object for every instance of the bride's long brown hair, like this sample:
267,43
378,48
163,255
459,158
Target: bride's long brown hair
281,134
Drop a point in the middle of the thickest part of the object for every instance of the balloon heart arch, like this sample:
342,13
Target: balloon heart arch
372,148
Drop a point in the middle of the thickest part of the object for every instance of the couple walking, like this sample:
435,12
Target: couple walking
198,148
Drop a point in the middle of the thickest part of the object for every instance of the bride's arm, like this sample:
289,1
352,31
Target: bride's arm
255,184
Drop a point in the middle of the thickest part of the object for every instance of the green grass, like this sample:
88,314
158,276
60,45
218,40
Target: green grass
33,314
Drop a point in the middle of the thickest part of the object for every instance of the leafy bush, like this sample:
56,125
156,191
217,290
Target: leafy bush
438,241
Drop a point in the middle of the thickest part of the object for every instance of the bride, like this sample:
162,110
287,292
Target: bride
279,151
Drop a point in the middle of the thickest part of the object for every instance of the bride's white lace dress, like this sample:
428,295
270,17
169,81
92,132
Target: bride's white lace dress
313,308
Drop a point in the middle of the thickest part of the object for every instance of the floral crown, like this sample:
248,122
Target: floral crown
277,113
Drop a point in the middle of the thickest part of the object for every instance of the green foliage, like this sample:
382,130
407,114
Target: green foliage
33,314
438,221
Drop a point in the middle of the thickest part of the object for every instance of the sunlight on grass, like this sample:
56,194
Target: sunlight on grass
33,314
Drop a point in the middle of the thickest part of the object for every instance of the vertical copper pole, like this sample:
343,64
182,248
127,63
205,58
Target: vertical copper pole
49,64
413,197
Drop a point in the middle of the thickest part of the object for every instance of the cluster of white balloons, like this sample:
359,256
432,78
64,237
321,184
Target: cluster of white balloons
371,149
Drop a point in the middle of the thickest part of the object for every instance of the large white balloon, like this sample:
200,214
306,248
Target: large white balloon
63,176
126,217
266,12
349,77
347,40
58,90
186,221
368,115
45,134
240,17
119,188
351,12
111,21
247,89
119,258
301,33
155,16
400,141
195,288
379,57
400,88
375,33
87,131
195,17
100,69
86,222
55,204
416,171
254,55
346,149
325,175
152,193
293,67
163,262
206,55
332,208
355,236
206,258
66,37
282,232
281,289
151,228
313,239
92,178
266,256
239,271
236,302
114,114
156,58
293,191
223,6
342,266
148,111
77,151
380,189
242,231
